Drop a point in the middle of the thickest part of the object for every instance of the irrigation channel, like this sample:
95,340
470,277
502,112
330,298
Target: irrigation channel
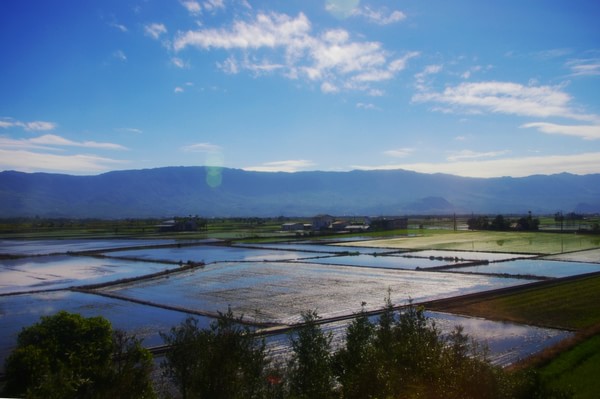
145,287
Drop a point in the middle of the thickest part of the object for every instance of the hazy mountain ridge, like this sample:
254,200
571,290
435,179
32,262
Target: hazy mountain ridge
164,192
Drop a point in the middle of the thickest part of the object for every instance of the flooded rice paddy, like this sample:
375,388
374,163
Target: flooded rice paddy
267,283
537,268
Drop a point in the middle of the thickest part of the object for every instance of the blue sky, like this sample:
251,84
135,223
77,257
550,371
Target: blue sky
466,87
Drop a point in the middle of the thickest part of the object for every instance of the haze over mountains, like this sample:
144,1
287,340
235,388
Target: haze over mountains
210,192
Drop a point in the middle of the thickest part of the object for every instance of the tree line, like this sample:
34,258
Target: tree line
399,354
502,223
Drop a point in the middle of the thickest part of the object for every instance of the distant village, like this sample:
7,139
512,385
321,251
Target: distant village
318,224
328,223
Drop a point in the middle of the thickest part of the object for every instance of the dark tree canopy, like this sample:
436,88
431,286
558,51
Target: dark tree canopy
70,356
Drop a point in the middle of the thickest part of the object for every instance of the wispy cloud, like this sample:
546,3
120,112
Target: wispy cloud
52,140
120,55
129,130
517,167
29,161
287,45
282,166
584,67
380,17
6,123
201,147
179,63
367,106
468,154
505,98
587,132
155,30
118,27
399,152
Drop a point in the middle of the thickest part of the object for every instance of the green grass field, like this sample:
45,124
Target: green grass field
576,370
490,241
571,305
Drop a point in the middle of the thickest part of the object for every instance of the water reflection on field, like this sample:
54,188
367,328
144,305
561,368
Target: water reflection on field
47,247
507,342
540,268
279,292
62,271
210,254
383,261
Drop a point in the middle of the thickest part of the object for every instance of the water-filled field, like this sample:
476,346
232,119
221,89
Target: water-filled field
278,292
539,268
269,283
210,254
63,271
46,247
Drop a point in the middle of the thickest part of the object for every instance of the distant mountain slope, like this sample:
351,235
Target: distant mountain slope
164,192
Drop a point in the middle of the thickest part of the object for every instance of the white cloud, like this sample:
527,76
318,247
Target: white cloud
29,161
380,17
516,167
287,45
155,30
399,152
29,126
282,166
48,141
421,77
214,4
505,98
178,89
587,132
201,147
192,6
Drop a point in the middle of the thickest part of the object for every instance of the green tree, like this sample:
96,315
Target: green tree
310,372
70,356
223,361
355,364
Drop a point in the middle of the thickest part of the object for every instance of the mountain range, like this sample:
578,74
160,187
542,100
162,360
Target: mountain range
224,192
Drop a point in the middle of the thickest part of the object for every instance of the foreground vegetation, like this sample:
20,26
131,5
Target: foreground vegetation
401,355
576,370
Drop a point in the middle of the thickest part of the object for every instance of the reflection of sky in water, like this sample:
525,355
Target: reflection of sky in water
321,248
383,261
50,272
279,292
209,254
507,342
534,267
46,247
146,322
